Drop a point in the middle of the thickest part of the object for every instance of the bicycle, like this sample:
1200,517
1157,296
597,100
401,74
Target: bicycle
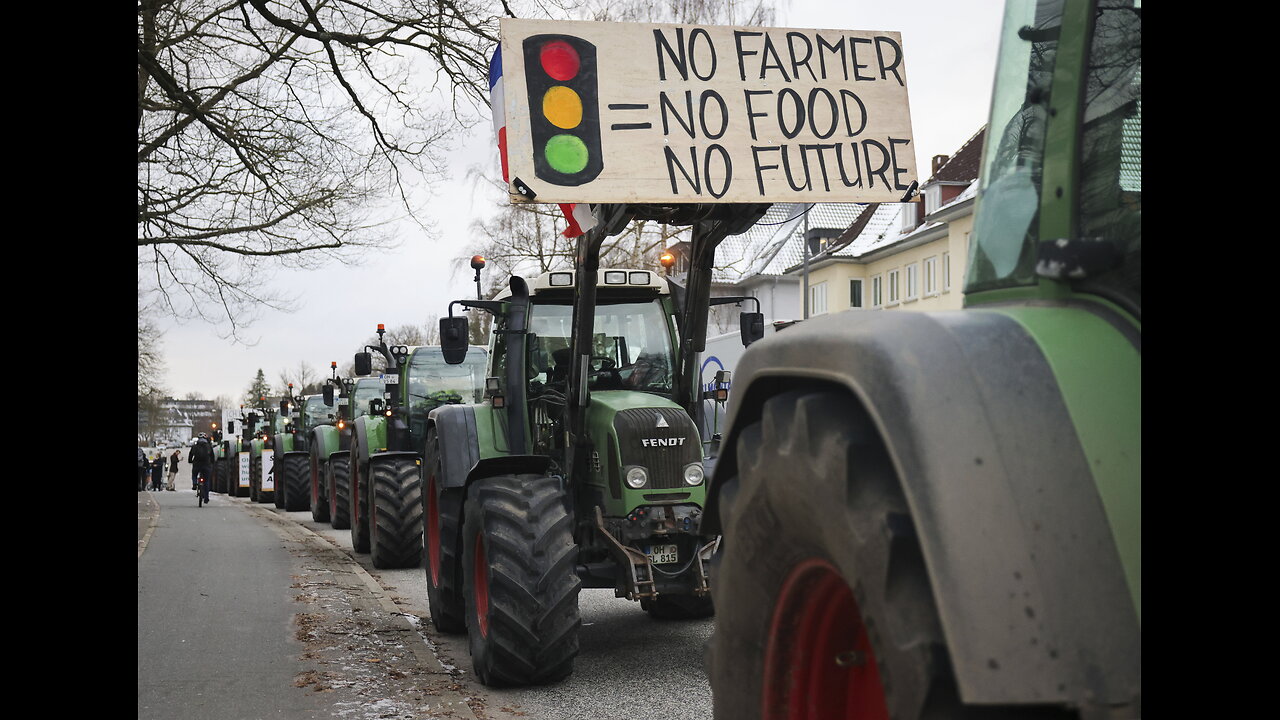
202,492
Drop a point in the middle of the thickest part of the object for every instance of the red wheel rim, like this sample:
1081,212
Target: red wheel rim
433,530
819,663
481,588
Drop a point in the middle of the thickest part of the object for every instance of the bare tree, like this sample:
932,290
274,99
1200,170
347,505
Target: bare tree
278,132
305,379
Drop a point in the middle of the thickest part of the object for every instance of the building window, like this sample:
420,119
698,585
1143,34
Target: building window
913,272
931,276
855,293
894,294
877,291
818,299
946,272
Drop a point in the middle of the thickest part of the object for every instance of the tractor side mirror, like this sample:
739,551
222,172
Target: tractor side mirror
364,363
284,408
231,427
752,327
453,339
327,394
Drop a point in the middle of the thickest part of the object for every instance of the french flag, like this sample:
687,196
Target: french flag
578,215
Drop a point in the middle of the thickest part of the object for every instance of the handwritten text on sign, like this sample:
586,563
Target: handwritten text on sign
638,112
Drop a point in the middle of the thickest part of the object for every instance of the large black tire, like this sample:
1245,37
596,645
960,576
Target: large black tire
395,523
679,607
296,483
281,488
319,490
255,482
442,545
359,502
220,470
820,559
520,585
339,491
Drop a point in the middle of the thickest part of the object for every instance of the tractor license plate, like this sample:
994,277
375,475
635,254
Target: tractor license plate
663,554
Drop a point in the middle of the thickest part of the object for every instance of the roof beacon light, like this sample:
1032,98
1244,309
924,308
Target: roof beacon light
667,259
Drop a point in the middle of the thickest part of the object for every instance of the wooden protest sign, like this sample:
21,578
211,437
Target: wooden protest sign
600,112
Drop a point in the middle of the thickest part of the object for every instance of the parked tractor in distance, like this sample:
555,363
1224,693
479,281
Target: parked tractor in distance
388,442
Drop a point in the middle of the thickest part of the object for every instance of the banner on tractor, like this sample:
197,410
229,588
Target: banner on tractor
596,112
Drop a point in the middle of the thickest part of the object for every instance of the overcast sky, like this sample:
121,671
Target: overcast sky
950,50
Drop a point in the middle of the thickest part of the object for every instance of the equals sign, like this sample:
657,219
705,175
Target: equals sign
629,126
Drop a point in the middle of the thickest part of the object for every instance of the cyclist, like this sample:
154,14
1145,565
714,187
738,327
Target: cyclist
201,459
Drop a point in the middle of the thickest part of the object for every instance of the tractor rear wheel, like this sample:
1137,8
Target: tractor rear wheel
359,502
519,581
442,542
338,470
297,495
319,498
822,588
395,523
220,470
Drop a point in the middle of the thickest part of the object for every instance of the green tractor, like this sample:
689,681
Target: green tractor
226,450
388,442
262,470
295,460
332,446
938,514
585,445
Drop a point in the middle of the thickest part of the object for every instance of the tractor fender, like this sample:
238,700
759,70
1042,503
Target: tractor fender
366,433
325,439
460,460
455,427
1030,588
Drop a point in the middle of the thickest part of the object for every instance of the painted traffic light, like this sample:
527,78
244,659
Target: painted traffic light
564,108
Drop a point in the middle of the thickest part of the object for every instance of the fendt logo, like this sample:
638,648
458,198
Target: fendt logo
662,442
564,108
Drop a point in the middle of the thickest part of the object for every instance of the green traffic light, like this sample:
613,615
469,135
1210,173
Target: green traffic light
566,153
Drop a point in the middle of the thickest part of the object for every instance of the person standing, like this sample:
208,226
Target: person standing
173,471
157,472
143,468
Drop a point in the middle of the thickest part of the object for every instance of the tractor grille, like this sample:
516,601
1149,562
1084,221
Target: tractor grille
642,442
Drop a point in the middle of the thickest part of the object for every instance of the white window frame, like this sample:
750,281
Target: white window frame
860,294
911,289
931,276
946,272
894,288
818,291
877,291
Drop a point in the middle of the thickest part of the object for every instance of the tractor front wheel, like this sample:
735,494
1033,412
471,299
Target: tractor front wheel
339,477
297,495
519,581
319,500
359,502
395,523
824,601
442,543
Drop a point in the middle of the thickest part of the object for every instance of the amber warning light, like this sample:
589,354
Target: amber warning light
667,260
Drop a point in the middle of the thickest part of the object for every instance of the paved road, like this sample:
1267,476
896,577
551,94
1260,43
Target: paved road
300,626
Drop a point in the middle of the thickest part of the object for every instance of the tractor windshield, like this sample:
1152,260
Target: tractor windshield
630,348
366,389
315,412
433,382
1106,167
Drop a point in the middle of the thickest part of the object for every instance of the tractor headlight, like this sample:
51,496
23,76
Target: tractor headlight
693,474
637,477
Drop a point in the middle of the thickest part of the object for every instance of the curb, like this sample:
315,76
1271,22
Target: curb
449,700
